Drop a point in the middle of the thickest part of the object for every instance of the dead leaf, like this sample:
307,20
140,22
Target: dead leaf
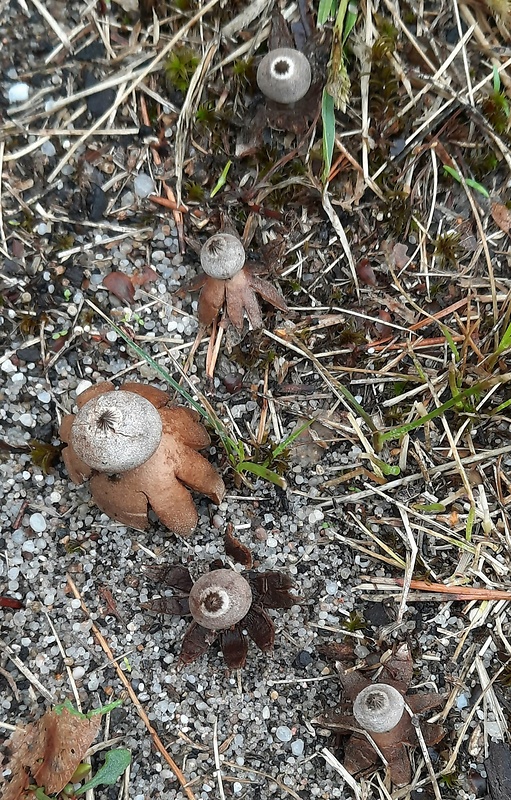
143,278
501,216
47,752
120,286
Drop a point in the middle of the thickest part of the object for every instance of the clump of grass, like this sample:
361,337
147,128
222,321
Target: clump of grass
180,67
448,248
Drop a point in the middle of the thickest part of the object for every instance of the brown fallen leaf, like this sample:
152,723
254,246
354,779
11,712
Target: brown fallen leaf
47,752
120,286
501,216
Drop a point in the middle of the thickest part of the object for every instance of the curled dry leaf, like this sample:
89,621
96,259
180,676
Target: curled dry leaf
239,552
120,286
501,216
47,752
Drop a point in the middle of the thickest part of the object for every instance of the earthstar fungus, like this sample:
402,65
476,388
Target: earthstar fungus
284,75
136,450
379,710
224,606
227,280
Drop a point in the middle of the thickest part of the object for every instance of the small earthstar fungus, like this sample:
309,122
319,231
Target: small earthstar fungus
290,77
228,280
136,450
381,715
284,75
224,606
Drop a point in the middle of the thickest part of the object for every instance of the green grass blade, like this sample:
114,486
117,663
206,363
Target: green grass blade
290,439
349,20
400,430
222,180
328,117
325,11
262,472
450,341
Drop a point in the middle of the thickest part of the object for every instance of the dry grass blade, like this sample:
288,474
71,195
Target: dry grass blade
454,592
333,762
188,110
26,672
132,85
52,22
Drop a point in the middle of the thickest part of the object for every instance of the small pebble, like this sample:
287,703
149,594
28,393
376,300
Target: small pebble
297,747
303,659
78,673
27,420
18,93
283,733
9,367
82,386
48,149
37,523
143,185
44,397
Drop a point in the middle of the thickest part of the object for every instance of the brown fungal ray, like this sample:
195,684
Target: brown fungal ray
169,498
280,35
157,397
357,759
94,391
120,498
251,306
336,651
360,757
352,681
267,291
419,703
211,300
337,721
183,423
168,605
239,552
398,669
260,628
195,643
176,576
392,746
48,751
234,298
273,589
194,285
234,646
